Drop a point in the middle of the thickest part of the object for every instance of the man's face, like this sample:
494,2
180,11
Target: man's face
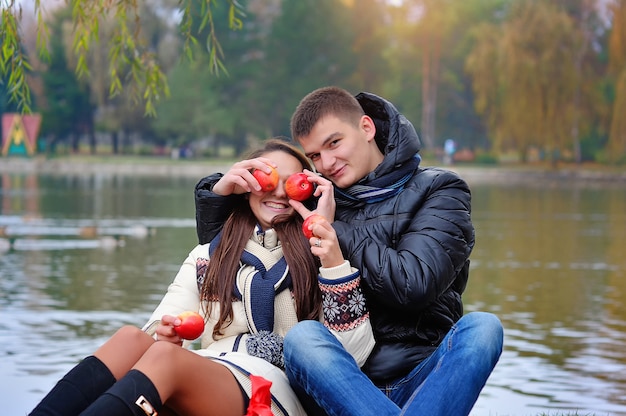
342,152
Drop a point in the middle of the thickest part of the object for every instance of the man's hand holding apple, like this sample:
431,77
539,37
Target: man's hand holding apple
317,227
323,240
326,197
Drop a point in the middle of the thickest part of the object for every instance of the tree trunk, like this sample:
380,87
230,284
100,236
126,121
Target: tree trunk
580,56
75,140
427,132
430,81
115,142
92,138
216,145
617,133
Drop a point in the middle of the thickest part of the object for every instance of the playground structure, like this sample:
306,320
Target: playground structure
20,133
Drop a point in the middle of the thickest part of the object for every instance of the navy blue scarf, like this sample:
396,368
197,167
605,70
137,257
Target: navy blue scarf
379,188
262,288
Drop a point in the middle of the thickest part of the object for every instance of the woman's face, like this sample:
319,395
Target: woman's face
270,204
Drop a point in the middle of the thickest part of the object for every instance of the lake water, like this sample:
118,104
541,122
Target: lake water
89,254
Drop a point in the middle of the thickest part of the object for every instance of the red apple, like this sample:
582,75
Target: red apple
191,325
310,220
268,182
298,187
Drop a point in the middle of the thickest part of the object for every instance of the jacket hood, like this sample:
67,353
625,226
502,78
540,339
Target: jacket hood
395,135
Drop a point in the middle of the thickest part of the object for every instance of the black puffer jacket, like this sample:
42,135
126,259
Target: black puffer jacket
412,249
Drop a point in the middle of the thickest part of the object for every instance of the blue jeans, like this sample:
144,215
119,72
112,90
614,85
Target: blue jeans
447,383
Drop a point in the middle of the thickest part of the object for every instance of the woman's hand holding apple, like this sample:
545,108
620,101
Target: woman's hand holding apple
240,178
174,329
191,325
166,332
267,181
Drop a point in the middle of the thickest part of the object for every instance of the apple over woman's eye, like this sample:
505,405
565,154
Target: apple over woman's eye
298,187
267,181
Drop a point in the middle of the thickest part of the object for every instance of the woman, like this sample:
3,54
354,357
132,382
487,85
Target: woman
255,280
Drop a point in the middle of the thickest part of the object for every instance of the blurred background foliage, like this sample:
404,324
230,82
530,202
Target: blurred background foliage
522,80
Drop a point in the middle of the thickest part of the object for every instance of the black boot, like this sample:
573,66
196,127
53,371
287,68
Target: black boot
133,395
76,390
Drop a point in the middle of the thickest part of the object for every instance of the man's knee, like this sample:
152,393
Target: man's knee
303,330
302,338
487,331
484,321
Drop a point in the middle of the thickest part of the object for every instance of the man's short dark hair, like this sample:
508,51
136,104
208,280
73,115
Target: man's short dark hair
321,103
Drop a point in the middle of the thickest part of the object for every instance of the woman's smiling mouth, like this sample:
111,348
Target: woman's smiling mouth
276,205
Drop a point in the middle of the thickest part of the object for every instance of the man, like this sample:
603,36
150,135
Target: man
408,229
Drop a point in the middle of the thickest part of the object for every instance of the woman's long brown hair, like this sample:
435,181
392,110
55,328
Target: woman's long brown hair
222,270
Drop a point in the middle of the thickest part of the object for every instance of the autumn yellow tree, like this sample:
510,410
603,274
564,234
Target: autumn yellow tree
487,83
524,79
129,59
616,147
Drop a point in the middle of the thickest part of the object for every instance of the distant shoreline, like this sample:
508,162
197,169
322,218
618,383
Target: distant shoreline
154,166
141,166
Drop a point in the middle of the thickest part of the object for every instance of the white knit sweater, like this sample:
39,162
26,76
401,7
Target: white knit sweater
183,295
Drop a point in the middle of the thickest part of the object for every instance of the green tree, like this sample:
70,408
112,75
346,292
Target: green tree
129,57
434,43
67,113
193,111
119,116
236,118
433,28
456,116
403,82
14,64
310,45
420,28
222,108
371,41
7,104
